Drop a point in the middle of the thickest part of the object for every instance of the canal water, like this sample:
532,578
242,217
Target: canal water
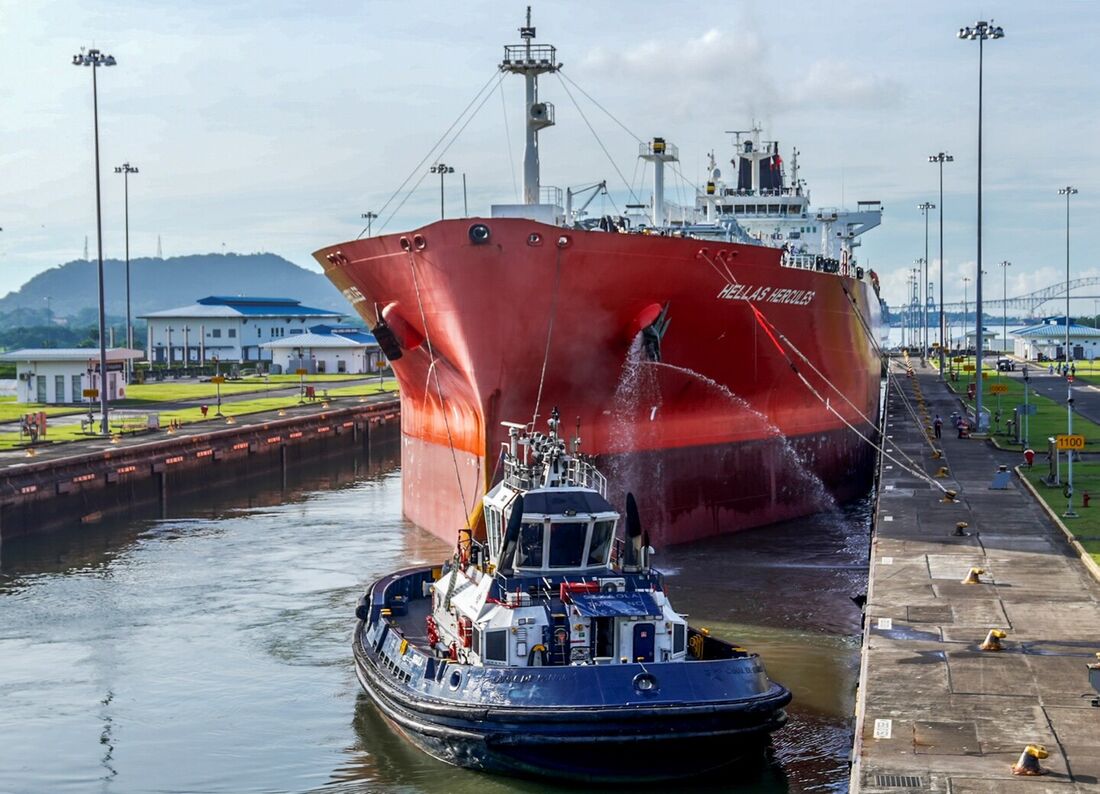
209,651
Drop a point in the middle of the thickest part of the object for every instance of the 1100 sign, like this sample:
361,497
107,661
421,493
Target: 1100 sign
1076,443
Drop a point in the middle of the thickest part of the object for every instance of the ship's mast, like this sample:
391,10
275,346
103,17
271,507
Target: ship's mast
531,60
659,152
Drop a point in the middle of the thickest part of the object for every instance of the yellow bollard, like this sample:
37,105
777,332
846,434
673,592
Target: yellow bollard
1028,764
974,576
993,641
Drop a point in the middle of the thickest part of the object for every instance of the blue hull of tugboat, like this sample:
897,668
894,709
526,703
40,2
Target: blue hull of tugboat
587,722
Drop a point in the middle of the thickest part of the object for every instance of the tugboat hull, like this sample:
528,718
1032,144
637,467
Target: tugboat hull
588,722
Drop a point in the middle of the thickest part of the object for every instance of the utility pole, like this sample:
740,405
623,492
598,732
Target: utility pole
442,169
368,217
126,169
94,58
981,31
941,158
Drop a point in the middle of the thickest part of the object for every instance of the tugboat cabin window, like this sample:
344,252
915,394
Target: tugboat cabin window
529,554
496,645
602,534
679,638
567,544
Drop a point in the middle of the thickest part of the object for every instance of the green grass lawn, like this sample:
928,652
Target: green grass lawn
1086,478
11,411
169,391
343,395
1049,419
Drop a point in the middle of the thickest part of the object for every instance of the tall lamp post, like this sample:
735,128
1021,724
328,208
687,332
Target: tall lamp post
369,217
1068,191
966,310
924,207
442,169
126,169
94,58
1005,265
981,31
941,158
914,299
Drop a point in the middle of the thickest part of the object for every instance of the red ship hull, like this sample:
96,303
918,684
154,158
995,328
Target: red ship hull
720,435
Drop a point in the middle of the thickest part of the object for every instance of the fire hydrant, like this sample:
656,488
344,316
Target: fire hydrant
1084,499
1029,457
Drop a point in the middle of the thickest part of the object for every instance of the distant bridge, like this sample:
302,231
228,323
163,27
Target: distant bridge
1029,302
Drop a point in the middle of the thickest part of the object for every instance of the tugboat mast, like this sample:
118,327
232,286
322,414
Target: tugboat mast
531,60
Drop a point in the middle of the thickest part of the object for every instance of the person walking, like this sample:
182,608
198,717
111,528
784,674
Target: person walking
938,426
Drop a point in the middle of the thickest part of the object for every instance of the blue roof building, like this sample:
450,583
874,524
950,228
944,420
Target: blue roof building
229,328
1047,340
327,348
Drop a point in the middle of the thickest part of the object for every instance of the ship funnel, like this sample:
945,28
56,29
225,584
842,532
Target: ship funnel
511,538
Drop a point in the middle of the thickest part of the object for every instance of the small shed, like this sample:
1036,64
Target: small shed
60,375
327,349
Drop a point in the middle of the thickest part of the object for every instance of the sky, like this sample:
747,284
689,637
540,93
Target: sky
273,126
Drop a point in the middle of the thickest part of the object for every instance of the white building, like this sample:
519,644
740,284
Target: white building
327,349
1047,340
60,375
229,328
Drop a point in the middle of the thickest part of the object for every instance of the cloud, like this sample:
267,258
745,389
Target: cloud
734,70
837,84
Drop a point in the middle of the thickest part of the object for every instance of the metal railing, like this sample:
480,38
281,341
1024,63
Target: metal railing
669,150
582,473
799,261
578,472
548,194
529,55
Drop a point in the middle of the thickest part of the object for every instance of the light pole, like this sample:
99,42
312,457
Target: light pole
94,58
1005,265
442,169
49,323
914,297
126,169
981,31
1027,415
369,217
1068,191
966,311
941,158
921,288
218,382
924,207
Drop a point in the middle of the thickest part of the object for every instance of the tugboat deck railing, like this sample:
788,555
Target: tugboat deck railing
577,473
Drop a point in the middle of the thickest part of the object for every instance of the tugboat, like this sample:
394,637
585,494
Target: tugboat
552,648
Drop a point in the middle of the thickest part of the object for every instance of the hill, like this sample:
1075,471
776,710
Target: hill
166,283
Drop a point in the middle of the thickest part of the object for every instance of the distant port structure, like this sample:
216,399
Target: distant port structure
1029,303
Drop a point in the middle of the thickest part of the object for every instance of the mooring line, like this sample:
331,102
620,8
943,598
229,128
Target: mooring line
767,328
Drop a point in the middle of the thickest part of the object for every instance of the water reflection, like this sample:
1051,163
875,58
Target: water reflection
210,651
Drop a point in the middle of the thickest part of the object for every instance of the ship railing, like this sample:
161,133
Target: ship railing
548,194
799,261
582,473
518,56
517,476
669,150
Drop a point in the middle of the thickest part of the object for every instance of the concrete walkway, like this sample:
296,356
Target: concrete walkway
935,713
